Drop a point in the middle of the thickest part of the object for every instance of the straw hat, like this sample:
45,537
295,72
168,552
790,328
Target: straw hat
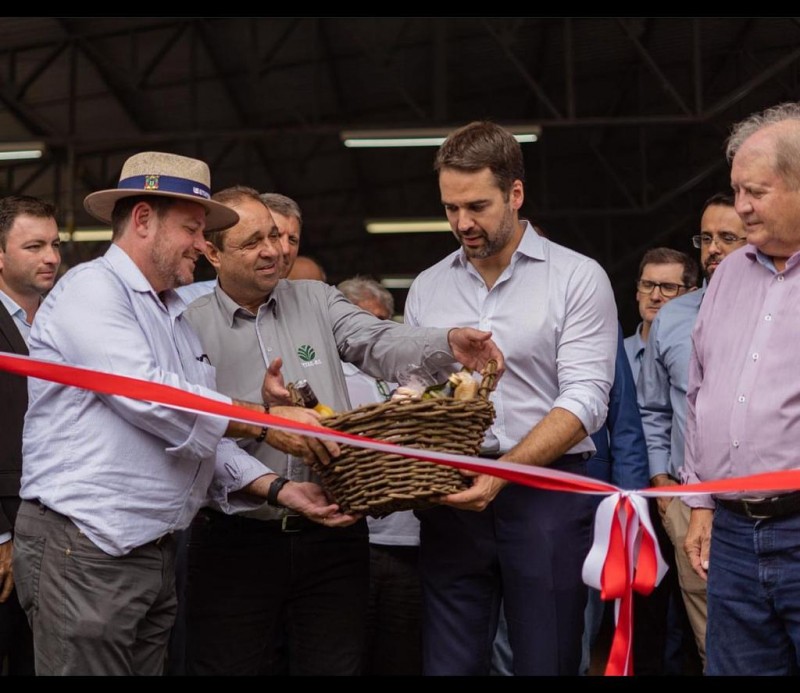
169,175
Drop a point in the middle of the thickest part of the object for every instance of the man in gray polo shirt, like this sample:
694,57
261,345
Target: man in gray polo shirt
266,580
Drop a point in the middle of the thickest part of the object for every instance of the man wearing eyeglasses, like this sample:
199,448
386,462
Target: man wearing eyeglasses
661,390
664,273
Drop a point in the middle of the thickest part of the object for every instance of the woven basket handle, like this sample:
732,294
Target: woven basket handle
489,379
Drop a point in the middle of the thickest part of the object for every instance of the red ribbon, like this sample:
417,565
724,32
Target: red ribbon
630,561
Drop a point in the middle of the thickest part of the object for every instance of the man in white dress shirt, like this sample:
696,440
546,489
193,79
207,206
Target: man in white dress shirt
553,314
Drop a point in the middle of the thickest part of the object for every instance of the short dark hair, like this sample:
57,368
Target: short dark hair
123,207
719,199
670,256
14,206
229,196
483,144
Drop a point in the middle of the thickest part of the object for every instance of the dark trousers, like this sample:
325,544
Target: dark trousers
650,611
176,651
255,594
663,643
92,613
527,548
394,614
16,639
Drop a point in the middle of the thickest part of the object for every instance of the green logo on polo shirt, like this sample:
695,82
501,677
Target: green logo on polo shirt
306,352
308,357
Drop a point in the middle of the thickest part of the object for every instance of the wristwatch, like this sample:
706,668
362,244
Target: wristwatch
274,489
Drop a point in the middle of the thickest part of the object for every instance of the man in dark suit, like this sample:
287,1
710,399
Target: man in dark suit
29,260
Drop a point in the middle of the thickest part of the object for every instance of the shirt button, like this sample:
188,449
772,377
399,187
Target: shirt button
736,443
780,277
742,398
755,357
767,317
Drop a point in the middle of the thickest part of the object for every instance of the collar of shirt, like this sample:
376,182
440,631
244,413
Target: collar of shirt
531,245
128,272
13,308
766,261
18,316
230,309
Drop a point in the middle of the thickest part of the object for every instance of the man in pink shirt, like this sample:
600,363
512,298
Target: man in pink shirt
744,411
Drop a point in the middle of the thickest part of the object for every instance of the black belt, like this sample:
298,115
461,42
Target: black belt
764,508
289,523
293,523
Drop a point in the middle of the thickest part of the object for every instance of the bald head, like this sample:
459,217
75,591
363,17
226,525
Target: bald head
306,268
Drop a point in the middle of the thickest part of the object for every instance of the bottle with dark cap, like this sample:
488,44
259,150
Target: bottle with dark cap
310,400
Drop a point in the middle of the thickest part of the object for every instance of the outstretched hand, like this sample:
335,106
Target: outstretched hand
273,389
311,500
477,497
475,348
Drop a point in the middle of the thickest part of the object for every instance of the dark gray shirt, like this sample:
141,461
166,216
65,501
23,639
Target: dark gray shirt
312,327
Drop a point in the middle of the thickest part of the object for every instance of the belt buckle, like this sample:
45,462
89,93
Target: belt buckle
291,523
748,509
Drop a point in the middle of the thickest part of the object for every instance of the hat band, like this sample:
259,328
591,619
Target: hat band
165,184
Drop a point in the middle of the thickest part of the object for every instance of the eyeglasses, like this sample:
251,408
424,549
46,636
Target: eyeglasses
668,289
726,239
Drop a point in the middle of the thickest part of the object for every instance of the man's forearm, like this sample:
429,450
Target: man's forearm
548,440
240,429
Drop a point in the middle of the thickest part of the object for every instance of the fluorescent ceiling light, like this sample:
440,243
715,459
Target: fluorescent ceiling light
85,235
422,137
397,282
406,225
20,151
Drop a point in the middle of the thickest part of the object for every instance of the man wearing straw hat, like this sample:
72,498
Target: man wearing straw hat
107,480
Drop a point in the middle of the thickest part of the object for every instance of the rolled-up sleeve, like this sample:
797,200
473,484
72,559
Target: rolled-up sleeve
587,347
233,470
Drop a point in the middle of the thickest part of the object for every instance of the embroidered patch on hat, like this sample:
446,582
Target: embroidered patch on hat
151,182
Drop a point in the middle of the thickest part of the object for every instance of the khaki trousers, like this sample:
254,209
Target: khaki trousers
693,587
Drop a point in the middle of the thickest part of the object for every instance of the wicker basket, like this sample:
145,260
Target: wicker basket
376,483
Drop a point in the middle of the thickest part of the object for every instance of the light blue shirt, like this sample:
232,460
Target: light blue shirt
634,350
195,290
663,380
17,315
124,471
553,315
